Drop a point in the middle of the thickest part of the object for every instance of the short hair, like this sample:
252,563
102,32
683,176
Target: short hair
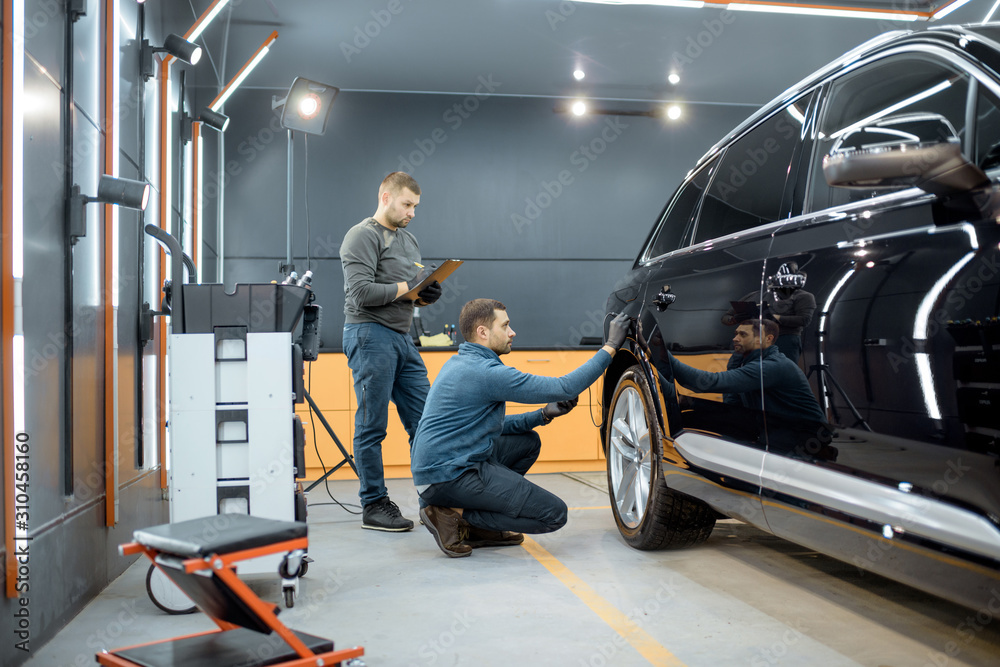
396,181
770,328
476,313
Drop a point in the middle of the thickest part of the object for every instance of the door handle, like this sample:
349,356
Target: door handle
664,298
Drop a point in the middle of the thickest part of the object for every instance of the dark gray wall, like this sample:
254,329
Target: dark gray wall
72,555
548,210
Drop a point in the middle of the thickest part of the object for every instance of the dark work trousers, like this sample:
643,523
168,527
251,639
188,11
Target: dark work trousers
385,366
495,495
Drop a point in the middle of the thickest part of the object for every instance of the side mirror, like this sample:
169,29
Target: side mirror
913,150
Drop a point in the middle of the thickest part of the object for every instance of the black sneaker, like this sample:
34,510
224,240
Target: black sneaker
383,514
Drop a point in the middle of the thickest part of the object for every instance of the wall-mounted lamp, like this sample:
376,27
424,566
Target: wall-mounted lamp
176,46
213,119
306,108
110,190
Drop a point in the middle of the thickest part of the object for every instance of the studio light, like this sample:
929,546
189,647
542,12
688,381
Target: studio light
176,46
306,108
110,190
213,119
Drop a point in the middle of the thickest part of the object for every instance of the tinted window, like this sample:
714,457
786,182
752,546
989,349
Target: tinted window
874,95
682,209
749,185
987,130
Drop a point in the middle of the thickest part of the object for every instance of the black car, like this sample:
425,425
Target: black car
872,432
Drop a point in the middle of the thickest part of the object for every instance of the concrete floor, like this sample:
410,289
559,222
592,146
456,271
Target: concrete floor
578,597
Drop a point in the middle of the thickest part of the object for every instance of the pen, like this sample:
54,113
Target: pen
418,265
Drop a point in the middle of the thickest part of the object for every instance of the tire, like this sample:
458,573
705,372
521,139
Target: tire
648,514
166,595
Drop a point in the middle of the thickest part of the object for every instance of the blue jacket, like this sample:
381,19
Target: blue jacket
465,409
786,392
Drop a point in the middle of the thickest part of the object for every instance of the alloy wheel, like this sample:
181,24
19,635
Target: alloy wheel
629,456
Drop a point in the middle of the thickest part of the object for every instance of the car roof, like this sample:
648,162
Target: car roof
984,34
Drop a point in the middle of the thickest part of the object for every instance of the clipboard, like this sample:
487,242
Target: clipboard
745,310
446,269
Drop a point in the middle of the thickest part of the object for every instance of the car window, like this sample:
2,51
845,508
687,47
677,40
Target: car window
749,184
679,216
901,85
987,130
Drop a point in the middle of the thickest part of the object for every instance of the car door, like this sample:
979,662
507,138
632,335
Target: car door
724,251
899,353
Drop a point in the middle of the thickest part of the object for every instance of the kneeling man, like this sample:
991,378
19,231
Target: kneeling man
468,460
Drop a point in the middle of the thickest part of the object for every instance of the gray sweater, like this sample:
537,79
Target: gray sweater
375,258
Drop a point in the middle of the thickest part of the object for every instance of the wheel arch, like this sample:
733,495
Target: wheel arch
627,357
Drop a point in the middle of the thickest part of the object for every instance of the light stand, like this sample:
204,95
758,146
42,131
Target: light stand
306,108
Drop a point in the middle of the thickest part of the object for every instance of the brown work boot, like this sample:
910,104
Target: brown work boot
448,529
480,537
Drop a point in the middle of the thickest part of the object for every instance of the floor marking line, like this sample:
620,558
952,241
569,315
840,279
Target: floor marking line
629,630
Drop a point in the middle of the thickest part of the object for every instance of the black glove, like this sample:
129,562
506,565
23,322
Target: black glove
617,330
429,294
553,410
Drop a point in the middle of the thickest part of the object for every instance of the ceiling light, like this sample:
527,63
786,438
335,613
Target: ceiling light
673,112
578,74
579,108
674,78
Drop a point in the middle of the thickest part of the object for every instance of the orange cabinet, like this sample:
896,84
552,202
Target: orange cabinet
569,443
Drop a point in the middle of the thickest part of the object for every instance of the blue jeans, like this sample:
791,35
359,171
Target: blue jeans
386,366
495,495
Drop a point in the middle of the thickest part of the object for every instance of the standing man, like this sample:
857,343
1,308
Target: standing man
785,302
382,263
468,460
